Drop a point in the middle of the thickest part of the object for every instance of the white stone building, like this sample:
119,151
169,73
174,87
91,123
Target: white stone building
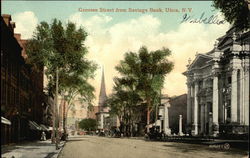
218,87
163,121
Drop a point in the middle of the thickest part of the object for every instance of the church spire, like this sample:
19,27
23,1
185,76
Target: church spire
103,95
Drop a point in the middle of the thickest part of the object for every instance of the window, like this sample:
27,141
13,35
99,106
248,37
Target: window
2,59
3,92
229,80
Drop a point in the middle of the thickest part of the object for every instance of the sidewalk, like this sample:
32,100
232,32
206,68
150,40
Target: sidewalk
37,149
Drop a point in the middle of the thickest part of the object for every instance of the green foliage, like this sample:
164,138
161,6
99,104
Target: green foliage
147,70
88,124
236,12
62,47
142,78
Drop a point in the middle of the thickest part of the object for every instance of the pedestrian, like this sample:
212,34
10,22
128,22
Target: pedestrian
43,136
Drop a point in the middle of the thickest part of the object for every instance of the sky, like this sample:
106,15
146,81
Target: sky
112,34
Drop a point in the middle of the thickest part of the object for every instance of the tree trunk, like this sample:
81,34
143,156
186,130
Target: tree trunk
64,118
148,119
130,129
148,113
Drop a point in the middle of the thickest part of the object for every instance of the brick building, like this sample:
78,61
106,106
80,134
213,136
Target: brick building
21,88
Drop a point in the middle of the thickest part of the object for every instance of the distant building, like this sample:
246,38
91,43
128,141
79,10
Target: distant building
76,113
92,112
21,88
178,106
218,87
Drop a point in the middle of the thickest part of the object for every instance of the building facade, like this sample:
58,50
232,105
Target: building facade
178,106
76,113
21,88
218,87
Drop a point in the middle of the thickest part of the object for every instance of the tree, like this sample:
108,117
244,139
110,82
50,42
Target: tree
122,102
62,48
236,12
148,69
88,124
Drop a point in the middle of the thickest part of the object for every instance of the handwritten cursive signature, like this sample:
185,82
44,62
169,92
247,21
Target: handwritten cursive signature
213,19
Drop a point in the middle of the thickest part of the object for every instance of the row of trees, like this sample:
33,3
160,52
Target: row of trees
61,50
137,90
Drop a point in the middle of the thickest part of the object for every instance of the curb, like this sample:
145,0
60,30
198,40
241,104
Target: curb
59,152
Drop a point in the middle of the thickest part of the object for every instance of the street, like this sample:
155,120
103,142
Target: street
103,147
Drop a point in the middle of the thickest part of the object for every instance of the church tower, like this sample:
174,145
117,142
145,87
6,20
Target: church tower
103,112
102,95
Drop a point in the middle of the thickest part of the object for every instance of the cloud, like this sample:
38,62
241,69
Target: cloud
26,23
108,42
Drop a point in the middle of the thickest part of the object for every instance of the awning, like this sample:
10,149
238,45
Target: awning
34,126
44,127
39,127
5,121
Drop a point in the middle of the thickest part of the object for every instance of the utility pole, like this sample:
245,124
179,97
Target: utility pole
54,122
56,109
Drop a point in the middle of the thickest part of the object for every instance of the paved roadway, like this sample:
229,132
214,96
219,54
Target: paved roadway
102,147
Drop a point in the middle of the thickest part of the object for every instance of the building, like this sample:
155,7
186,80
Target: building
218,87
76,113
162,121
21,88
92,112
48,110
102,110
178,106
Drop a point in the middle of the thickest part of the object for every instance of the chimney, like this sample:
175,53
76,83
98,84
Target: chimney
7,19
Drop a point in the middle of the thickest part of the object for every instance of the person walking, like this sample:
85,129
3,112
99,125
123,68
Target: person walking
43,136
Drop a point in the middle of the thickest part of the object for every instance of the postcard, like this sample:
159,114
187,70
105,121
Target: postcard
124,79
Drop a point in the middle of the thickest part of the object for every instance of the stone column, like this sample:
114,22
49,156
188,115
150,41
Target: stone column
180,126
189,105
215,106
242,106
195,123
210,124
246,95
102,120
234,96
202,118
166,120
